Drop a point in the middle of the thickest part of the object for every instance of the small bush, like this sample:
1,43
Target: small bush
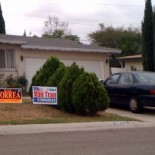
2,81
17,82
89,96
66,85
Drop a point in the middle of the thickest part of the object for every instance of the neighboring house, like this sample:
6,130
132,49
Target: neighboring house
25,55
132,63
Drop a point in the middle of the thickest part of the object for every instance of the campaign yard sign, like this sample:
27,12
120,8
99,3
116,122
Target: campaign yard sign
10,95
45,95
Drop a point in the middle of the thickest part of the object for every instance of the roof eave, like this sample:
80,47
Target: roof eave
108,51
18,42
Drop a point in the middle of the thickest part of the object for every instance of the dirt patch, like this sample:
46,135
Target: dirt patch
26,111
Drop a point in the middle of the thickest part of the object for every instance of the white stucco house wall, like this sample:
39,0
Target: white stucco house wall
25,55
132,63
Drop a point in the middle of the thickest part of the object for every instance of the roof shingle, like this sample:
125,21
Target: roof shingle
53,44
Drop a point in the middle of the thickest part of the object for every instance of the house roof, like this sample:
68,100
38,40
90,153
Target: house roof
138,56
53,44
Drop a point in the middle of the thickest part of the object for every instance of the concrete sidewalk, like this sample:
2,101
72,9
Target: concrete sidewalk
66,127
147,116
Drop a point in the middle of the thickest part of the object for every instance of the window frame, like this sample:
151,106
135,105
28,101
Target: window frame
13,63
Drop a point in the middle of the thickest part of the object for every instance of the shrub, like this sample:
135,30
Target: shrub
2,82
17,82
44,73
65,87
89,96
48,70
33,83
57,76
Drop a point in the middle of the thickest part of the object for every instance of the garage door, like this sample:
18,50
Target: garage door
33,64
88,65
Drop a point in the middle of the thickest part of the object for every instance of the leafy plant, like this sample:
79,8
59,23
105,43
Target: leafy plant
17,82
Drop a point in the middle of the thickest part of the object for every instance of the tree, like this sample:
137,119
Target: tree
53,23
24,34
72,37
147,37
128,40
54,28
2,22
154,36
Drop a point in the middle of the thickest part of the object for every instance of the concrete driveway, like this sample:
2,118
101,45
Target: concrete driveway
148,115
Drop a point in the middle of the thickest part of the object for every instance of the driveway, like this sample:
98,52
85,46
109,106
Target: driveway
147,116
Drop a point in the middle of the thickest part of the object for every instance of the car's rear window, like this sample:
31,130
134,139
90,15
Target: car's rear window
147,77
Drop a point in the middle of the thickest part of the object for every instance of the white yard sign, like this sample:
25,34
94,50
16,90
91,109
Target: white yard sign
44,95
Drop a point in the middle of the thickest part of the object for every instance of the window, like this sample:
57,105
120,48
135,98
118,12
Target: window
113,79
125,79
7,60
146,77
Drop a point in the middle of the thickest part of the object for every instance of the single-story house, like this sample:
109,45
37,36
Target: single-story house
132,63
25,55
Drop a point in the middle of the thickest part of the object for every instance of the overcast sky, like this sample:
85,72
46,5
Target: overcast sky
83,16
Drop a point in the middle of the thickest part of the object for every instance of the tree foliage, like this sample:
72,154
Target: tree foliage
147,37
154,37
55,28
89,96
2,22
42,76
57,76
128,40
65,87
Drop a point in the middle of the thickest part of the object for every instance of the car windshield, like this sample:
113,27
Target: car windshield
147,77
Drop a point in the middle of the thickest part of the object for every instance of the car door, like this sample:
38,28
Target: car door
123,88
109,85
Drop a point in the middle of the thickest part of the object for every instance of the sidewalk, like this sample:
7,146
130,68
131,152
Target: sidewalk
66,127
148,117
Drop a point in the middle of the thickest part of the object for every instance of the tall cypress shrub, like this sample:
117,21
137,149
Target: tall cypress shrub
147,37
154,37
2,22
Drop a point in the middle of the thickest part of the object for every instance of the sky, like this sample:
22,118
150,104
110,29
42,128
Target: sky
83,16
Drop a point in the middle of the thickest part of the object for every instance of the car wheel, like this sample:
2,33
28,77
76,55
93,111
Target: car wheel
134,106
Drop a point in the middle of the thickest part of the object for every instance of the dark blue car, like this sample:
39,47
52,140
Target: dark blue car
134,89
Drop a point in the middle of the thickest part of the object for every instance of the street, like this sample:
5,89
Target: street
95,138
133,141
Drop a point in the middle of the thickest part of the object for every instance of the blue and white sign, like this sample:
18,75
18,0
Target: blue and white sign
45,95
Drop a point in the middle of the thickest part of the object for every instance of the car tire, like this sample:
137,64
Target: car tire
134,106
